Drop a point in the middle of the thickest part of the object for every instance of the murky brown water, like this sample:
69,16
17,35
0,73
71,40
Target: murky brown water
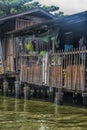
37,115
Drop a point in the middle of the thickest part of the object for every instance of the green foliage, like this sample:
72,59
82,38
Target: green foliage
29,46
60,13
8,7
51,8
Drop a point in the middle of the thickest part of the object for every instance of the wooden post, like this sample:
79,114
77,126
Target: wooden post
5,88
53,44
84,96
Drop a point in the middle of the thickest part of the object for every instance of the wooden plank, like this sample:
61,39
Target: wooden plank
1,66
38,73
74,76
48,75
10,55
68,77
78,78
82,77
55,76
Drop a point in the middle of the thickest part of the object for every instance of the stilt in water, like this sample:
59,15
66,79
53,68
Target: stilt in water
59,97
84,96
17,89
5,88
51,94
26,92
34,94
2,89
42,95
39,94
45,93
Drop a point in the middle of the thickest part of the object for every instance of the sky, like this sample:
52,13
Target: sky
67,6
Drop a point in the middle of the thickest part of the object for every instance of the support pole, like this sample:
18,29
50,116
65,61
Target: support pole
45,93
39,93
84,96
59,97
5,88
17,89
51,94
26,92
53,44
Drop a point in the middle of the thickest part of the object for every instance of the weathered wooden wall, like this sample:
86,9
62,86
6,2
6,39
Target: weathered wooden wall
27,22
74,77
8,46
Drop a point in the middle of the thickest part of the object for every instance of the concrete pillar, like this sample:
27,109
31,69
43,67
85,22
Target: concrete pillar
37,93
17,89
26,92
51,94
84,96
59,98
5,88
32,94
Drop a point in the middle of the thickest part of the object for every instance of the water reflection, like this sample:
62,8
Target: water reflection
42,127
56,109
24,114
16,105
5,103
25,105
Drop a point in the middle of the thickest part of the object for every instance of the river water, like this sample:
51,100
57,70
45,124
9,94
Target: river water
19,114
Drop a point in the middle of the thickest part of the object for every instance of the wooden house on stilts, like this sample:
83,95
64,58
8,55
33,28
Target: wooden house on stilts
36,48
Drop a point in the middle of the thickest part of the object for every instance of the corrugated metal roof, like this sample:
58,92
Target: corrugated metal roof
75,23
73,19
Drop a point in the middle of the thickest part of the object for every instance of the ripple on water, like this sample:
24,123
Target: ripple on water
36,115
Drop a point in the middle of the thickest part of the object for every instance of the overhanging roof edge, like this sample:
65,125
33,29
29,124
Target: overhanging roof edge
28,12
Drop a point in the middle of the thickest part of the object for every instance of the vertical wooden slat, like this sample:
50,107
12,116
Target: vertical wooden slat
23,74
28,74
82,70
77,79
62,70
74,71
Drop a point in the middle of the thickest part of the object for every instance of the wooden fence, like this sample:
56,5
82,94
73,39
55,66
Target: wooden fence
62,69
